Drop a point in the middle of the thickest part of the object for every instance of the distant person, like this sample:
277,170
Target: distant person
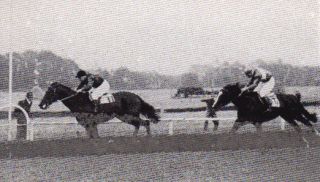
21,119
261,81
210,113
95,85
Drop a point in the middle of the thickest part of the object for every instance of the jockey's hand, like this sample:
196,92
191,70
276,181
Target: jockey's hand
243,90
80,90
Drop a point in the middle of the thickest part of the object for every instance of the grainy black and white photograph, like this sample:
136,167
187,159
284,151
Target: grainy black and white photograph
217,90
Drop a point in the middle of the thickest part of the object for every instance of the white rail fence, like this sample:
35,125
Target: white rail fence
31,124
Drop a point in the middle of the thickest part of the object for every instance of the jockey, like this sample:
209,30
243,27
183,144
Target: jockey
262,82
94,84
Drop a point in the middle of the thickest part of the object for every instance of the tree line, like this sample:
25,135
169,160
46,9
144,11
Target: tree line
41,68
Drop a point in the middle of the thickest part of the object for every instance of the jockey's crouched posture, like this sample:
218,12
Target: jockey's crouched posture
262,82
95,85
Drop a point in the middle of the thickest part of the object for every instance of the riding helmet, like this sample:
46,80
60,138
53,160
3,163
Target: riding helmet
81,73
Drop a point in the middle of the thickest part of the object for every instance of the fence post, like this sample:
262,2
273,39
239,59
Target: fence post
30,128
171,127
282,124
10,98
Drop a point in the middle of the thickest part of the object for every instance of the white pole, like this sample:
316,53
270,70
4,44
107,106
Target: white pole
282,124
10,97
171,127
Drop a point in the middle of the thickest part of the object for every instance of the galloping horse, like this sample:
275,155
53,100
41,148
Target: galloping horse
127,107
251,110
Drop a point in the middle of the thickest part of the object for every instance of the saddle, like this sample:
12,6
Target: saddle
268,101
107,98
272,100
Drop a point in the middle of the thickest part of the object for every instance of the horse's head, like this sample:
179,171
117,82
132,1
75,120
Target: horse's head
55,92
226,95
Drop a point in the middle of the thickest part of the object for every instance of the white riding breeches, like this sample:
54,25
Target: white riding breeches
263,89
96,93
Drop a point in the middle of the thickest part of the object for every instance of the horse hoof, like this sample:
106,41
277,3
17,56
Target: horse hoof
110,141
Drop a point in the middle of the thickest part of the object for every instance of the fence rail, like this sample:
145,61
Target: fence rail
30,124
37,114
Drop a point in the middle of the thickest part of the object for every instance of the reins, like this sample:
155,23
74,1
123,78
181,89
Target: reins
66,98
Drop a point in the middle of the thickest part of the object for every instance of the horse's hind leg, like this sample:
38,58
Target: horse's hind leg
293,124
237,124
92,130
306,122
145,123
297,128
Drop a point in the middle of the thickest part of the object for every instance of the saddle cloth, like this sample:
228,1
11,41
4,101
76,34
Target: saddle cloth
107,98
274,101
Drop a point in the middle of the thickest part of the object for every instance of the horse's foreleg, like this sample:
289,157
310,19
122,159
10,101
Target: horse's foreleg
136,130
92,130
237,124
206,123
216,124
95,131
146,124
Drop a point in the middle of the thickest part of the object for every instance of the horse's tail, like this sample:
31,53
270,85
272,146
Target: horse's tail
149,111
310,116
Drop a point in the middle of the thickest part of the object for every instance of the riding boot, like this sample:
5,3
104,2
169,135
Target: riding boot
268,103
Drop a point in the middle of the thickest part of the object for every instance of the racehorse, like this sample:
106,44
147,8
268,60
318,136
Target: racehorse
251,110
127,107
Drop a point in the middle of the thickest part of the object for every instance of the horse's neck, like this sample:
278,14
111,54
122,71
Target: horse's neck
248,104
78,103
70,99
244,101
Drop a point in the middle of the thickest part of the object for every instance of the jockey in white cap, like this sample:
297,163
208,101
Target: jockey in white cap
261,82
94,84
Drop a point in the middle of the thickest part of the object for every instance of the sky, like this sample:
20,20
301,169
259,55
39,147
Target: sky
163,36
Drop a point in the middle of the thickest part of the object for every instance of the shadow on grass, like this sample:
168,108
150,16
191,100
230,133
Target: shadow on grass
175,143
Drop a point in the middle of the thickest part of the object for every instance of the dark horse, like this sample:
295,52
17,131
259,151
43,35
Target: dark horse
250,109
127,107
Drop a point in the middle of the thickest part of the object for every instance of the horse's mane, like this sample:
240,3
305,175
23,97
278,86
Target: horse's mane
238,85
57,84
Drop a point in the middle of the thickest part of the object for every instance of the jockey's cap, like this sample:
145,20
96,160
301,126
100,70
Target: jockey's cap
81,73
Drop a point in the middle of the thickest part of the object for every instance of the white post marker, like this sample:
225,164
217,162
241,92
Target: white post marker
10,98
282,124
171,127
